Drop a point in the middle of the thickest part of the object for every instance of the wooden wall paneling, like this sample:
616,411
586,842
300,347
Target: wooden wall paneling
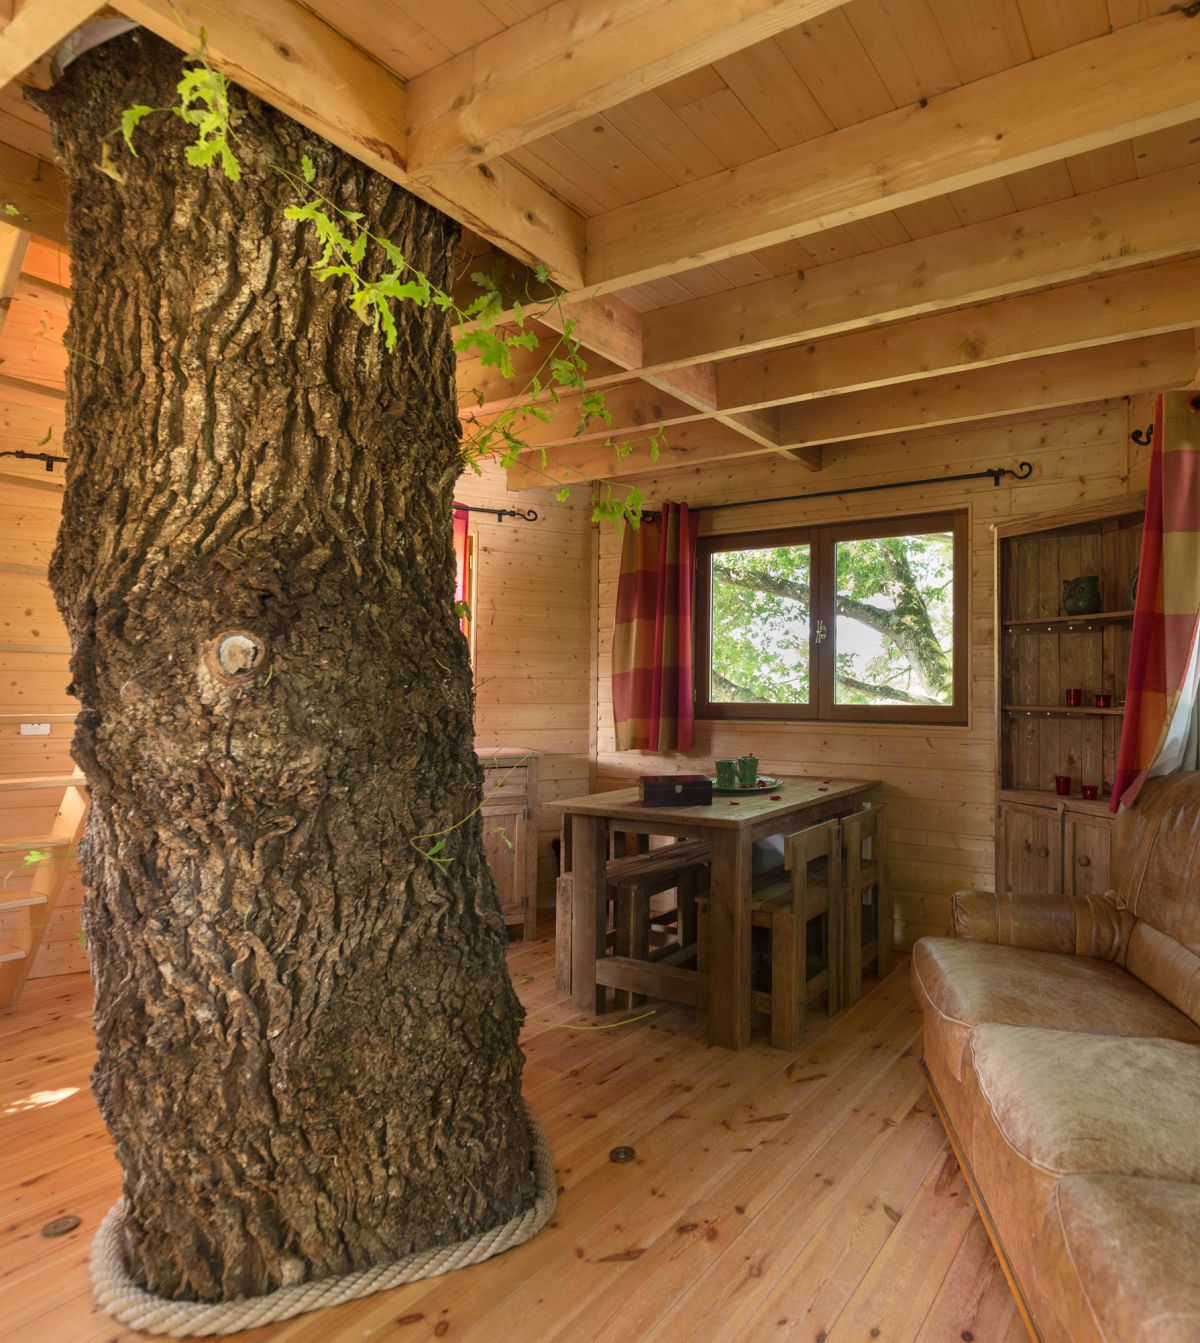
533,636
939,784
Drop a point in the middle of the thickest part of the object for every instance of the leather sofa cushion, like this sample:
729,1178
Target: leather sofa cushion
969,983
1156,865
1120,1259
1067,1102
1167,966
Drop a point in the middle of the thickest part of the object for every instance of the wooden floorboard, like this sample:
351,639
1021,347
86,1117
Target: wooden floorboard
805,1195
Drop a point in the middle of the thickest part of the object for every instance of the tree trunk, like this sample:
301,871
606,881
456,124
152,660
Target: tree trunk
307,1036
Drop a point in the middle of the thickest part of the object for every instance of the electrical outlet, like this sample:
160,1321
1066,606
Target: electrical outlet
35,729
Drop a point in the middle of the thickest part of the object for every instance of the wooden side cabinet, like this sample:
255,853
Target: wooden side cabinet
1086,869
510,831
1052,850
1029,850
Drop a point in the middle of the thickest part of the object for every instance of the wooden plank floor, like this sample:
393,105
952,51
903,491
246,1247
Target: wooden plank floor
800,1196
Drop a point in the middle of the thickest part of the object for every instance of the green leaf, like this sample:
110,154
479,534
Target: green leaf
10,208
36,856
308,169
130,119
564,494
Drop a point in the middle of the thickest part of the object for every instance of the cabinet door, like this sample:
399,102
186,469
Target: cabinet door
504,842
1031,840
1087,856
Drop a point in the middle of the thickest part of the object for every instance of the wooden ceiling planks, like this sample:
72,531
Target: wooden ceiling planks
804,88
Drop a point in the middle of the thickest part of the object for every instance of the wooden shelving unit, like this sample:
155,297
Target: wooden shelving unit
1045,842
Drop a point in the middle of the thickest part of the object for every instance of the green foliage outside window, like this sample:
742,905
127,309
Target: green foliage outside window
887,610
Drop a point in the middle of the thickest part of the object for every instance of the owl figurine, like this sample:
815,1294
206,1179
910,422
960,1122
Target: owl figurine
1081,596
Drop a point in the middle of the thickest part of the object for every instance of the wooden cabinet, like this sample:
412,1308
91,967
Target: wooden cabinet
510,831
1086,855
1029,849
1042,849
1046,841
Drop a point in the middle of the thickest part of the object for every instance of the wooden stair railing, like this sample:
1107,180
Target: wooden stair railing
25,916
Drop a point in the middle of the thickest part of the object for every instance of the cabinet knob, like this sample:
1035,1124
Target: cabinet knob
1084,860
1043,852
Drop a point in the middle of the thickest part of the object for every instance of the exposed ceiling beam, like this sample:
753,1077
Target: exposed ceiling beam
285,54
569,62
688,444
636,409
1138,79
1031,386
1067,379
1121,226
39,25
1115,307
608,326
13,242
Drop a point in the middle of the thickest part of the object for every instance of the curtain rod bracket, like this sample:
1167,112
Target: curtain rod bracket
48,457
526,515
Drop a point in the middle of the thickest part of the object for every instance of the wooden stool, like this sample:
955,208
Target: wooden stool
864,835
786,909
631,881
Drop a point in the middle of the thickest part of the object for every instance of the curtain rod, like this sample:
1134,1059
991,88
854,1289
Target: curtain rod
1022,472
528,515
48,457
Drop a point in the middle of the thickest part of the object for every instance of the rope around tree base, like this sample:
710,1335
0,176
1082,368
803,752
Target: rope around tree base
121,1297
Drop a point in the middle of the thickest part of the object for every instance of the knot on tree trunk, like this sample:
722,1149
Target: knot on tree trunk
233,656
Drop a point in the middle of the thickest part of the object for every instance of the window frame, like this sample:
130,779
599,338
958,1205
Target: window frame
705,546
822,540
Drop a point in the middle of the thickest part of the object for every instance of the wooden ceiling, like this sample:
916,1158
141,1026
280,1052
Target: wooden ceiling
779,225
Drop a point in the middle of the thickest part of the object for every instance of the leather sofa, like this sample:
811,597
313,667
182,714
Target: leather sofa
1062,1048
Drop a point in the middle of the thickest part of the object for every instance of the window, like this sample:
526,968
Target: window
853,622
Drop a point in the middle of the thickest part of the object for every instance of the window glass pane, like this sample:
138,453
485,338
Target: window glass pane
760,626
894,620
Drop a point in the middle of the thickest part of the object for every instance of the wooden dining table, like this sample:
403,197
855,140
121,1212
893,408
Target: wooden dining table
730,825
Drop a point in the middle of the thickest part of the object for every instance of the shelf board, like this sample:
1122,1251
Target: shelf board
1064,710
1047,797
1066,624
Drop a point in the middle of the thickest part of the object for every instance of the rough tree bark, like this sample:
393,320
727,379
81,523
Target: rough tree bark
307,1035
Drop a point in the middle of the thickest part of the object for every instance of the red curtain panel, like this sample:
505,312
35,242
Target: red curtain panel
461,518
653,670
1158,732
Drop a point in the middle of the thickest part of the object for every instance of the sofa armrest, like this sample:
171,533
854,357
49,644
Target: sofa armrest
1079,925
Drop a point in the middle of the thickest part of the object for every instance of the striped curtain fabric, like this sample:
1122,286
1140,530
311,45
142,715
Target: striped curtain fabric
1159,732
653,669
462,519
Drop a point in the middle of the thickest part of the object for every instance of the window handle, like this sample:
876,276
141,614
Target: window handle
821,632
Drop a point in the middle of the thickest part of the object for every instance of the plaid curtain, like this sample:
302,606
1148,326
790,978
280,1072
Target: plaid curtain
461,519
652,677
1159,731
